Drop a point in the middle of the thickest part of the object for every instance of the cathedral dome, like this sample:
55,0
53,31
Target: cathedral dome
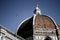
38,21
41,21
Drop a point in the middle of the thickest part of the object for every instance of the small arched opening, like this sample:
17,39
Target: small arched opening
48,38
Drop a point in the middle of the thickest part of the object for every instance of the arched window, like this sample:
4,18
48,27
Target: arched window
48,38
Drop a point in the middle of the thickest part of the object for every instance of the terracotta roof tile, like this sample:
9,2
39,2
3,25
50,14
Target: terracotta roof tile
43,21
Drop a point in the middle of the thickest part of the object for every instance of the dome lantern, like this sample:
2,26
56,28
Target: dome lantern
37,10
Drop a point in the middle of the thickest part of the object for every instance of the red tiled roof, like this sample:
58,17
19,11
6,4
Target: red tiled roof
43,21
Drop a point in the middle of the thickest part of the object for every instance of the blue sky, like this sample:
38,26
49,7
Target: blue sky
13,12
